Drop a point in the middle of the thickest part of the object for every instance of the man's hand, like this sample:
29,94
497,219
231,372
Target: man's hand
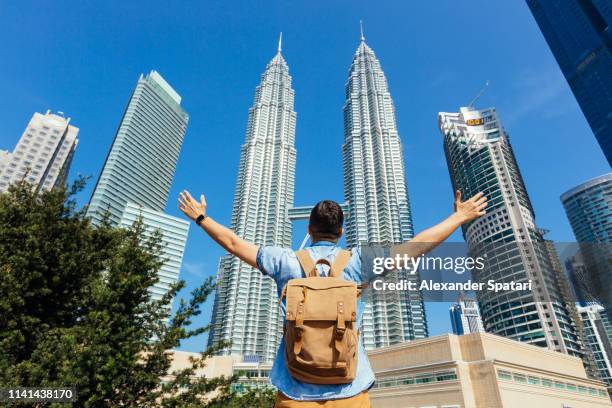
471,209
222,235
190,207
425,241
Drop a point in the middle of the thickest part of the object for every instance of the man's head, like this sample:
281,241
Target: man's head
326,220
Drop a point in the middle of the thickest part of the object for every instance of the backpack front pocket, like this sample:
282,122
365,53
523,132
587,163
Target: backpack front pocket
304,352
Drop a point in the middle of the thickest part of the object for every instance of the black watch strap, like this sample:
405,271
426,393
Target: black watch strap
200,218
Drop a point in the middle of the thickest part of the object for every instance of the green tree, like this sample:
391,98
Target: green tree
75,309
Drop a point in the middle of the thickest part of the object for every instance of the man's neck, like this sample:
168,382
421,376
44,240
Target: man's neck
314,241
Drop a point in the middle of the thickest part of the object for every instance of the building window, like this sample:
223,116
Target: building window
504,375
520,378
533,380
446,376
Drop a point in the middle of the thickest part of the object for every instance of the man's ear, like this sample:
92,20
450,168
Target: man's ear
309,230
340,232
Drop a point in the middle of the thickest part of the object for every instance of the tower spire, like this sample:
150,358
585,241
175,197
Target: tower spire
362,38
280,42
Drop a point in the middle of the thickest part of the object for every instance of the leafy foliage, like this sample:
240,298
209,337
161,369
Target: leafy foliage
75,309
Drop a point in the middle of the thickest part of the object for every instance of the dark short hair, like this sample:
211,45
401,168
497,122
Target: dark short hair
326,219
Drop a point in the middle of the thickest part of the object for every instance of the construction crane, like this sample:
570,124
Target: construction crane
484,88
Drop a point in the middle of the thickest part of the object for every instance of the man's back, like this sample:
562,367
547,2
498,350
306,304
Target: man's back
281,264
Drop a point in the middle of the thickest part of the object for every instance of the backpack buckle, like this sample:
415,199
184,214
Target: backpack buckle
340,332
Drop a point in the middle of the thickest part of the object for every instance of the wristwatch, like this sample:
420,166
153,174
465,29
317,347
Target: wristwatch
200,218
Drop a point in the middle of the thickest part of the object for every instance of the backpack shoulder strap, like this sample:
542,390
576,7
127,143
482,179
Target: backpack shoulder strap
306,263
337,267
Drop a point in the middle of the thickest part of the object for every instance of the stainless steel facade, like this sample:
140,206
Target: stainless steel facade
246,310
376,192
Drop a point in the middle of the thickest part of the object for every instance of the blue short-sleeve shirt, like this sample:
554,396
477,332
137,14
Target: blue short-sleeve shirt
281,264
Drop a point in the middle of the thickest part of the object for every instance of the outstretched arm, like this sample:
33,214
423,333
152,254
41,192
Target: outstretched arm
224,236
428,239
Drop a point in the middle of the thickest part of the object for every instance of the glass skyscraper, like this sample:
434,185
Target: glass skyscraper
42,155
246,309
589,209
173,240
136,178
377,195
480,158
580,36
140,165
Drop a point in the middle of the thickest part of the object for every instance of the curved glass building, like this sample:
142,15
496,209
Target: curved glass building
589,209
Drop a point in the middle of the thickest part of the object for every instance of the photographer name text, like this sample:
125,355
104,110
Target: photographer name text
430,285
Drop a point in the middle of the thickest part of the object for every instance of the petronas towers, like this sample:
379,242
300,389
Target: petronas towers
246,311
375,188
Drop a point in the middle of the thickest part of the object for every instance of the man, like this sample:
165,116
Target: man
281,264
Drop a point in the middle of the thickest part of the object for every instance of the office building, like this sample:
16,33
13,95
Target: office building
598,339
140,165
566,296
589,209
578,34
579,279
250,372
465,317
173,240
480,370
480,158
43,154
477,370
376,192
246,311
136,178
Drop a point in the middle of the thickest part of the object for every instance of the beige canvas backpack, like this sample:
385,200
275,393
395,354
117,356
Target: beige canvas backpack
321,323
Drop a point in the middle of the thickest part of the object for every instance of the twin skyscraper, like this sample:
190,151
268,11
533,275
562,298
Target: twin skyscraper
246,311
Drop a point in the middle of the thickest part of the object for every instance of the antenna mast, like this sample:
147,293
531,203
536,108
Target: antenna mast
362,38
280,42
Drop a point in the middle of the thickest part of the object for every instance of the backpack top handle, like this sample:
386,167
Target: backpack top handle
335,269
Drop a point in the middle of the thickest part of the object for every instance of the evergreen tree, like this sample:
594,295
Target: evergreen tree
75,308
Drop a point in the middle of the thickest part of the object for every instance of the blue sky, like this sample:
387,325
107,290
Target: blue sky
84,58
